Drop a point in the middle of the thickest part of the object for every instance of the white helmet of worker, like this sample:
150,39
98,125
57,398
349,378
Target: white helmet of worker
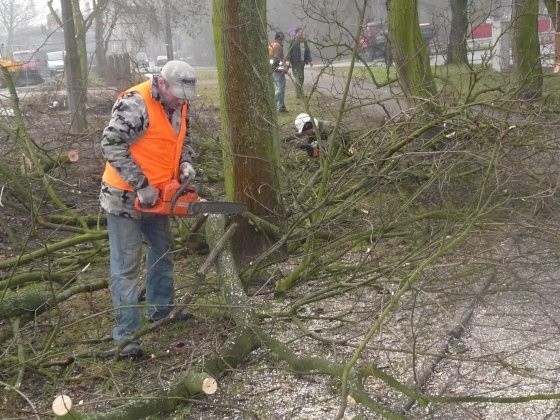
300,121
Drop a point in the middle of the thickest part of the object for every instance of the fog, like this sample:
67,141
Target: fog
194,42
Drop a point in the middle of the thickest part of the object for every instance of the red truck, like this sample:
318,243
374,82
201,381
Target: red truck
375,41
32,66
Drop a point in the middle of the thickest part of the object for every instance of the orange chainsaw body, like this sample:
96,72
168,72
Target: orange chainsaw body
168,197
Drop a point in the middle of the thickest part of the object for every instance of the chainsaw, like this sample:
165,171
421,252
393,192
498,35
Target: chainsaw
177,199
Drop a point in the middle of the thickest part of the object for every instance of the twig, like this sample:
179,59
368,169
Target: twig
22,395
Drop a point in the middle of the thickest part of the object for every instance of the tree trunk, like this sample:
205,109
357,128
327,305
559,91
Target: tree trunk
457,46
81,45
409,51
100,52
526,49
73,73
551,9
168,33
249,129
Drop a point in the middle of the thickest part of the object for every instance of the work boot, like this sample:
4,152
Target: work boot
174,316
132,350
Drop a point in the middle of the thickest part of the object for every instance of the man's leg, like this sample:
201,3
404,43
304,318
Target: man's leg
275,79
282,93
125,243
279,90
159,265
298,70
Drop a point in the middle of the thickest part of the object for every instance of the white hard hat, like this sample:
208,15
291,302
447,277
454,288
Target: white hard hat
300,121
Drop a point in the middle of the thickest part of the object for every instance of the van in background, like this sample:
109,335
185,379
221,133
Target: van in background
160,62
55,62
142,61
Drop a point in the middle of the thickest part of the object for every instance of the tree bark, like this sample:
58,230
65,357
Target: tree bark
551,9
526,49
457,46
249,129
167,31
409,51
81,48
76,96
100,52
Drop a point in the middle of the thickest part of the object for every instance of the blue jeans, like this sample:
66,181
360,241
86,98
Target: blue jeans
298,74
279,89
126,242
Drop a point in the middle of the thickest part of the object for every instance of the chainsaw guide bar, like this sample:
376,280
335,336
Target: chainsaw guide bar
219,207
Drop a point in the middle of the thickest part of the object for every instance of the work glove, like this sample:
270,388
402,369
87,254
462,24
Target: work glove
186,173
312,149
147,196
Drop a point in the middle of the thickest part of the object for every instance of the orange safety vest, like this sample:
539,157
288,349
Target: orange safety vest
272,47
158,151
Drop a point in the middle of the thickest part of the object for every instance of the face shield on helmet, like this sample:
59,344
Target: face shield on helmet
301,120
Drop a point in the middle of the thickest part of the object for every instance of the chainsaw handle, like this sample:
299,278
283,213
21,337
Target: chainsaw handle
178,194
184,186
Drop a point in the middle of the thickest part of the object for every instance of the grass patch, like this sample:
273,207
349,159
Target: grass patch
379,73
473,84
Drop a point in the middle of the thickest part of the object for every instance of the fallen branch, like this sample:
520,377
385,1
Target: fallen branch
429,367
245,318
35,299
50,248
59,277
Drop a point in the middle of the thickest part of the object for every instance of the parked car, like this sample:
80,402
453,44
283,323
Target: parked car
55,62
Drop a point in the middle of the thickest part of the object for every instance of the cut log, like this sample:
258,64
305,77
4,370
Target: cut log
197,382
71,156
62,408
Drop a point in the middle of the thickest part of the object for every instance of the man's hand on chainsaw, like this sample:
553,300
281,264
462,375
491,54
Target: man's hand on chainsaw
186,173
147,196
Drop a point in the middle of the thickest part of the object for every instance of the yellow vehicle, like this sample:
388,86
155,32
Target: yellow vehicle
13,67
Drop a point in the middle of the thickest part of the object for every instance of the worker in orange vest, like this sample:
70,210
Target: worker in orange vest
145,144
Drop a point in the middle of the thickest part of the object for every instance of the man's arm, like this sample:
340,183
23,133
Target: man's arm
129,121
307,54
187,153
290,52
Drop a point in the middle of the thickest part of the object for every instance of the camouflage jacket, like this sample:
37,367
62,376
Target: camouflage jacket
129,121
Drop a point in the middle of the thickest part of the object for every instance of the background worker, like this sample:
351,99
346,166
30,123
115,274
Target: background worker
317,132
146,141
279,69
299,55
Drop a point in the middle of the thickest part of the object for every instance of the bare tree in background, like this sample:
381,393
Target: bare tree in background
526,49
73,74
161,18
409,51
81,26
457,46
551,8
15,16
